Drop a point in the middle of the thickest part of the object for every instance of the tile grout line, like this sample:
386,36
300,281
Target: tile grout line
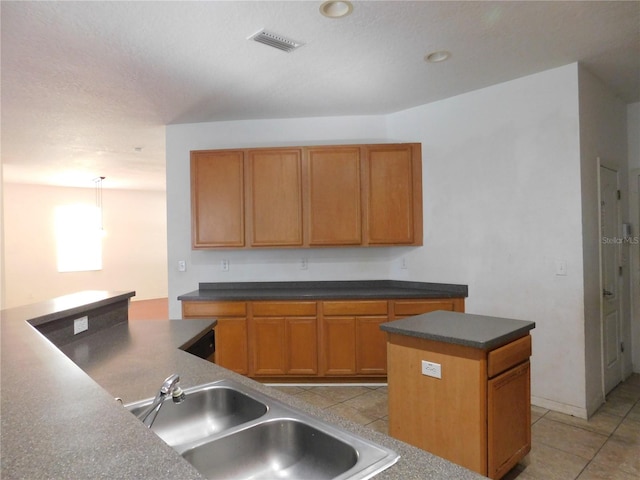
605,442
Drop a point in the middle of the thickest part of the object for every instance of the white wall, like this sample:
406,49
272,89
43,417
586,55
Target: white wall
633,150
134,249
502,206
267,264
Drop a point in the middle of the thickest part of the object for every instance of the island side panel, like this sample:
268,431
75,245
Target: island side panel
446,416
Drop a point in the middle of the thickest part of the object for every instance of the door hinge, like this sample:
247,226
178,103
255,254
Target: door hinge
621,347
620,270
619,195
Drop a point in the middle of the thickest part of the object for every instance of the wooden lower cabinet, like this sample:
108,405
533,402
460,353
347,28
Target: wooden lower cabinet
371,346
231,344
283,338
338,346
231,331
352,342
407,308
333,339
509,419
477,415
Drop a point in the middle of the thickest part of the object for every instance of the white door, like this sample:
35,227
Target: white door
610,241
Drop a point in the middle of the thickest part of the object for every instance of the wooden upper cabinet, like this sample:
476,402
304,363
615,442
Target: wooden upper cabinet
333,196
366,195
393,192
275,197
217,198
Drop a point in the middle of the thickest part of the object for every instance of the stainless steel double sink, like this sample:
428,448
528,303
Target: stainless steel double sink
227,430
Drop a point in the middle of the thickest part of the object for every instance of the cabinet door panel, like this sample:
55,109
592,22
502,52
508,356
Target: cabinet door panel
355,307
217,199
231,344
406,308
509,419
302,343
268,345
213,309
283,309
371,346
333,193
275,197
393,196
339,338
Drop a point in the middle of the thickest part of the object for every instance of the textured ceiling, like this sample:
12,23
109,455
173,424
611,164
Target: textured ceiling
85,83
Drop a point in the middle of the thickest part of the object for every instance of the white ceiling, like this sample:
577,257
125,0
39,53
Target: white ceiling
85,83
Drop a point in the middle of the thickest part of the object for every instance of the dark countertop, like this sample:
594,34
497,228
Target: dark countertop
477,331
60,419
324,290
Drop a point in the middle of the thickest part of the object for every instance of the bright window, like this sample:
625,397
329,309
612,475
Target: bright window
78,238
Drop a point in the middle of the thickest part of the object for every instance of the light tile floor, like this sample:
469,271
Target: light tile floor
605,447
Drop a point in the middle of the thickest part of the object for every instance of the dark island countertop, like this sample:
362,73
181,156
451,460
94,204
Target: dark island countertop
323,290
60,418
476,331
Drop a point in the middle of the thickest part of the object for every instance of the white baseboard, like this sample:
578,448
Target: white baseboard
579,412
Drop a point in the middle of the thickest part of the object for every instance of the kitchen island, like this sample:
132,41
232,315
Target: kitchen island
59,415
459,387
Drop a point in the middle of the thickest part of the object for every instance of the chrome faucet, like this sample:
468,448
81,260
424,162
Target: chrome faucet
169,387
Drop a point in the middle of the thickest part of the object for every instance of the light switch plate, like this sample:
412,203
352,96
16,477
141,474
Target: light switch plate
431,369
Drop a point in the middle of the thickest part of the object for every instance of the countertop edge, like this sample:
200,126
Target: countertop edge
488,345
323,290
458,328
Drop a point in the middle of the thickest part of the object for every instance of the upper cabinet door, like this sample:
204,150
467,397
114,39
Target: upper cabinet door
217,198
393,194
333,196
339,195
275,197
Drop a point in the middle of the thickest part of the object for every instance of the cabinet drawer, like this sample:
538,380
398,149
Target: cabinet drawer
214,309
416,307
508,356
276,309
357,307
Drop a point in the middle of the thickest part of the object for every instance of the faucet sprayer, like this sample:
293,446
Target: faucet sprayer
169,387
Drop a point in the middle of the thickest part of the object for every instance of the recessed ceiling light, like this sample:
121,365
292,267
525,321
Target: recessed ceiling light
336,9
436,57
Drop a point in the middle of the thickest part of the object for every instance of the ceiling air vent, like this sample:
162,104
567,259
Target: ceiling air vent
275,41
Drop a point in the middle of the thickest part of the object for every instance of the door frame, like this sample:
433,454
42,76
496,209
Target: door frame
634,266
621,312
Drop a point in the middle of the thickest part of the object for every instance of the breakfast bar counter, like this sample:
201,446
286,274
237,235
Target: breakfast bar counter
60,418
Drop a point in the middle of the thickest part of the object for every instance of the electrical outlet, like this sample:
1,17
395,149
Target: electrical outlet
182,266
224,265
403,265
80,325
304,264
431,369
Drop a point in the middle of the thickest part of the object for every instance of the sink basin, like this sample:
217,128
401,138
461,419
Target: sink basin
207,410
228,430
281,448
